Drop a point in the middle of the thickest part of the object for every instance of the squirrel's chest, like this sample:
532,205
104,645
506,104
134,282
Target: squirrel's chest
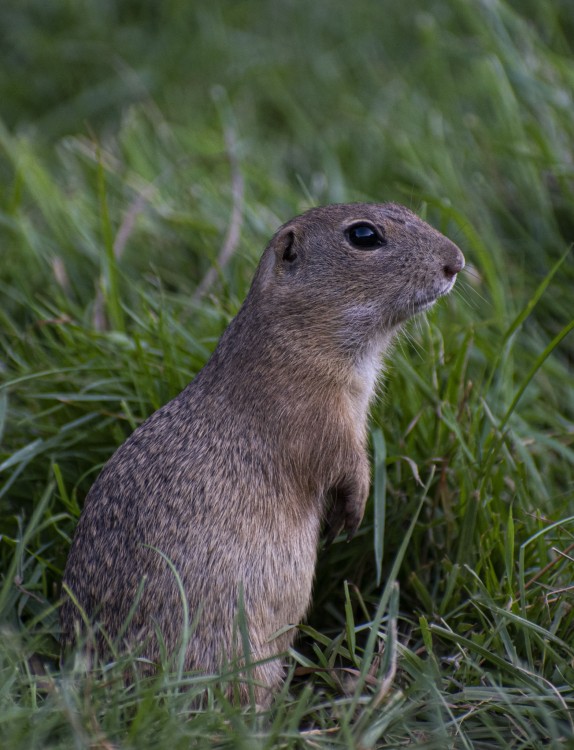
366,372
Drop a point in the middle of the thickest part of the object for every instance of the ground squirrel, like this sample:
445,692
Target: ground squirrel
232,479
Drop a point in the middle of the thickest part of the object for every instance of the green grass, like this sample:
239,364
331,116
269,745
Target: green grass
133,134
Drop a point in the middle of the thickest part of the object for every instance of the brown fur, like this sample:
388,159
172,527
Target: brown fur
231,480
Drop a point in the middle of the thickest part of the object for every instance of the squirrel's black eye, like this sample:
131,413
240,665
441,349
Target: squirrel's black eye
365,237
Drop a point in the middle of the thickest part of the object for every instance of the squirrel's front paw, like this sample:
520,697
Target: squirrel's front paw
346,509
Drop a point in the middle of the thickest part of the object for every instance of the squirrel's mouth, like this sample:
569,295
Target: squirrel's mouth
423,305
426,301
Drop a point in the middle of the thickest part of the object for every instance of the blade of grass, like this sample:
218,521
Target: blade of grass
380,493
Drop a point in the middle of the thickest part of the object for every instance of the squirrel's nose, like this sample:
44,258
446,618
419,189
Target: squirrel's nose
453,262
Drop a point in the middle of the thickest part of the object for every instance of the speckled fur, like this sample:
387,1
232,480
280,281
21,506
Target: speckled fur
233,478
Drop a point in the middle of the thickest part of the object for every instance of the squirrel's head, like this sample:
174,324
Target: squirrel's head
355,269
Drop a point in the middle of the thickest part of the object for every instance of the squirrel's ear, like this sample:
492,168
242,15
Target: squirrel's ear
285,247
282,255
286,250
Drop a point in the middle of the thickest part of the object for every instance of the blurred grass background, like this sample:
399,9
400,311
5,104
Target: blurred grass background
132,135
